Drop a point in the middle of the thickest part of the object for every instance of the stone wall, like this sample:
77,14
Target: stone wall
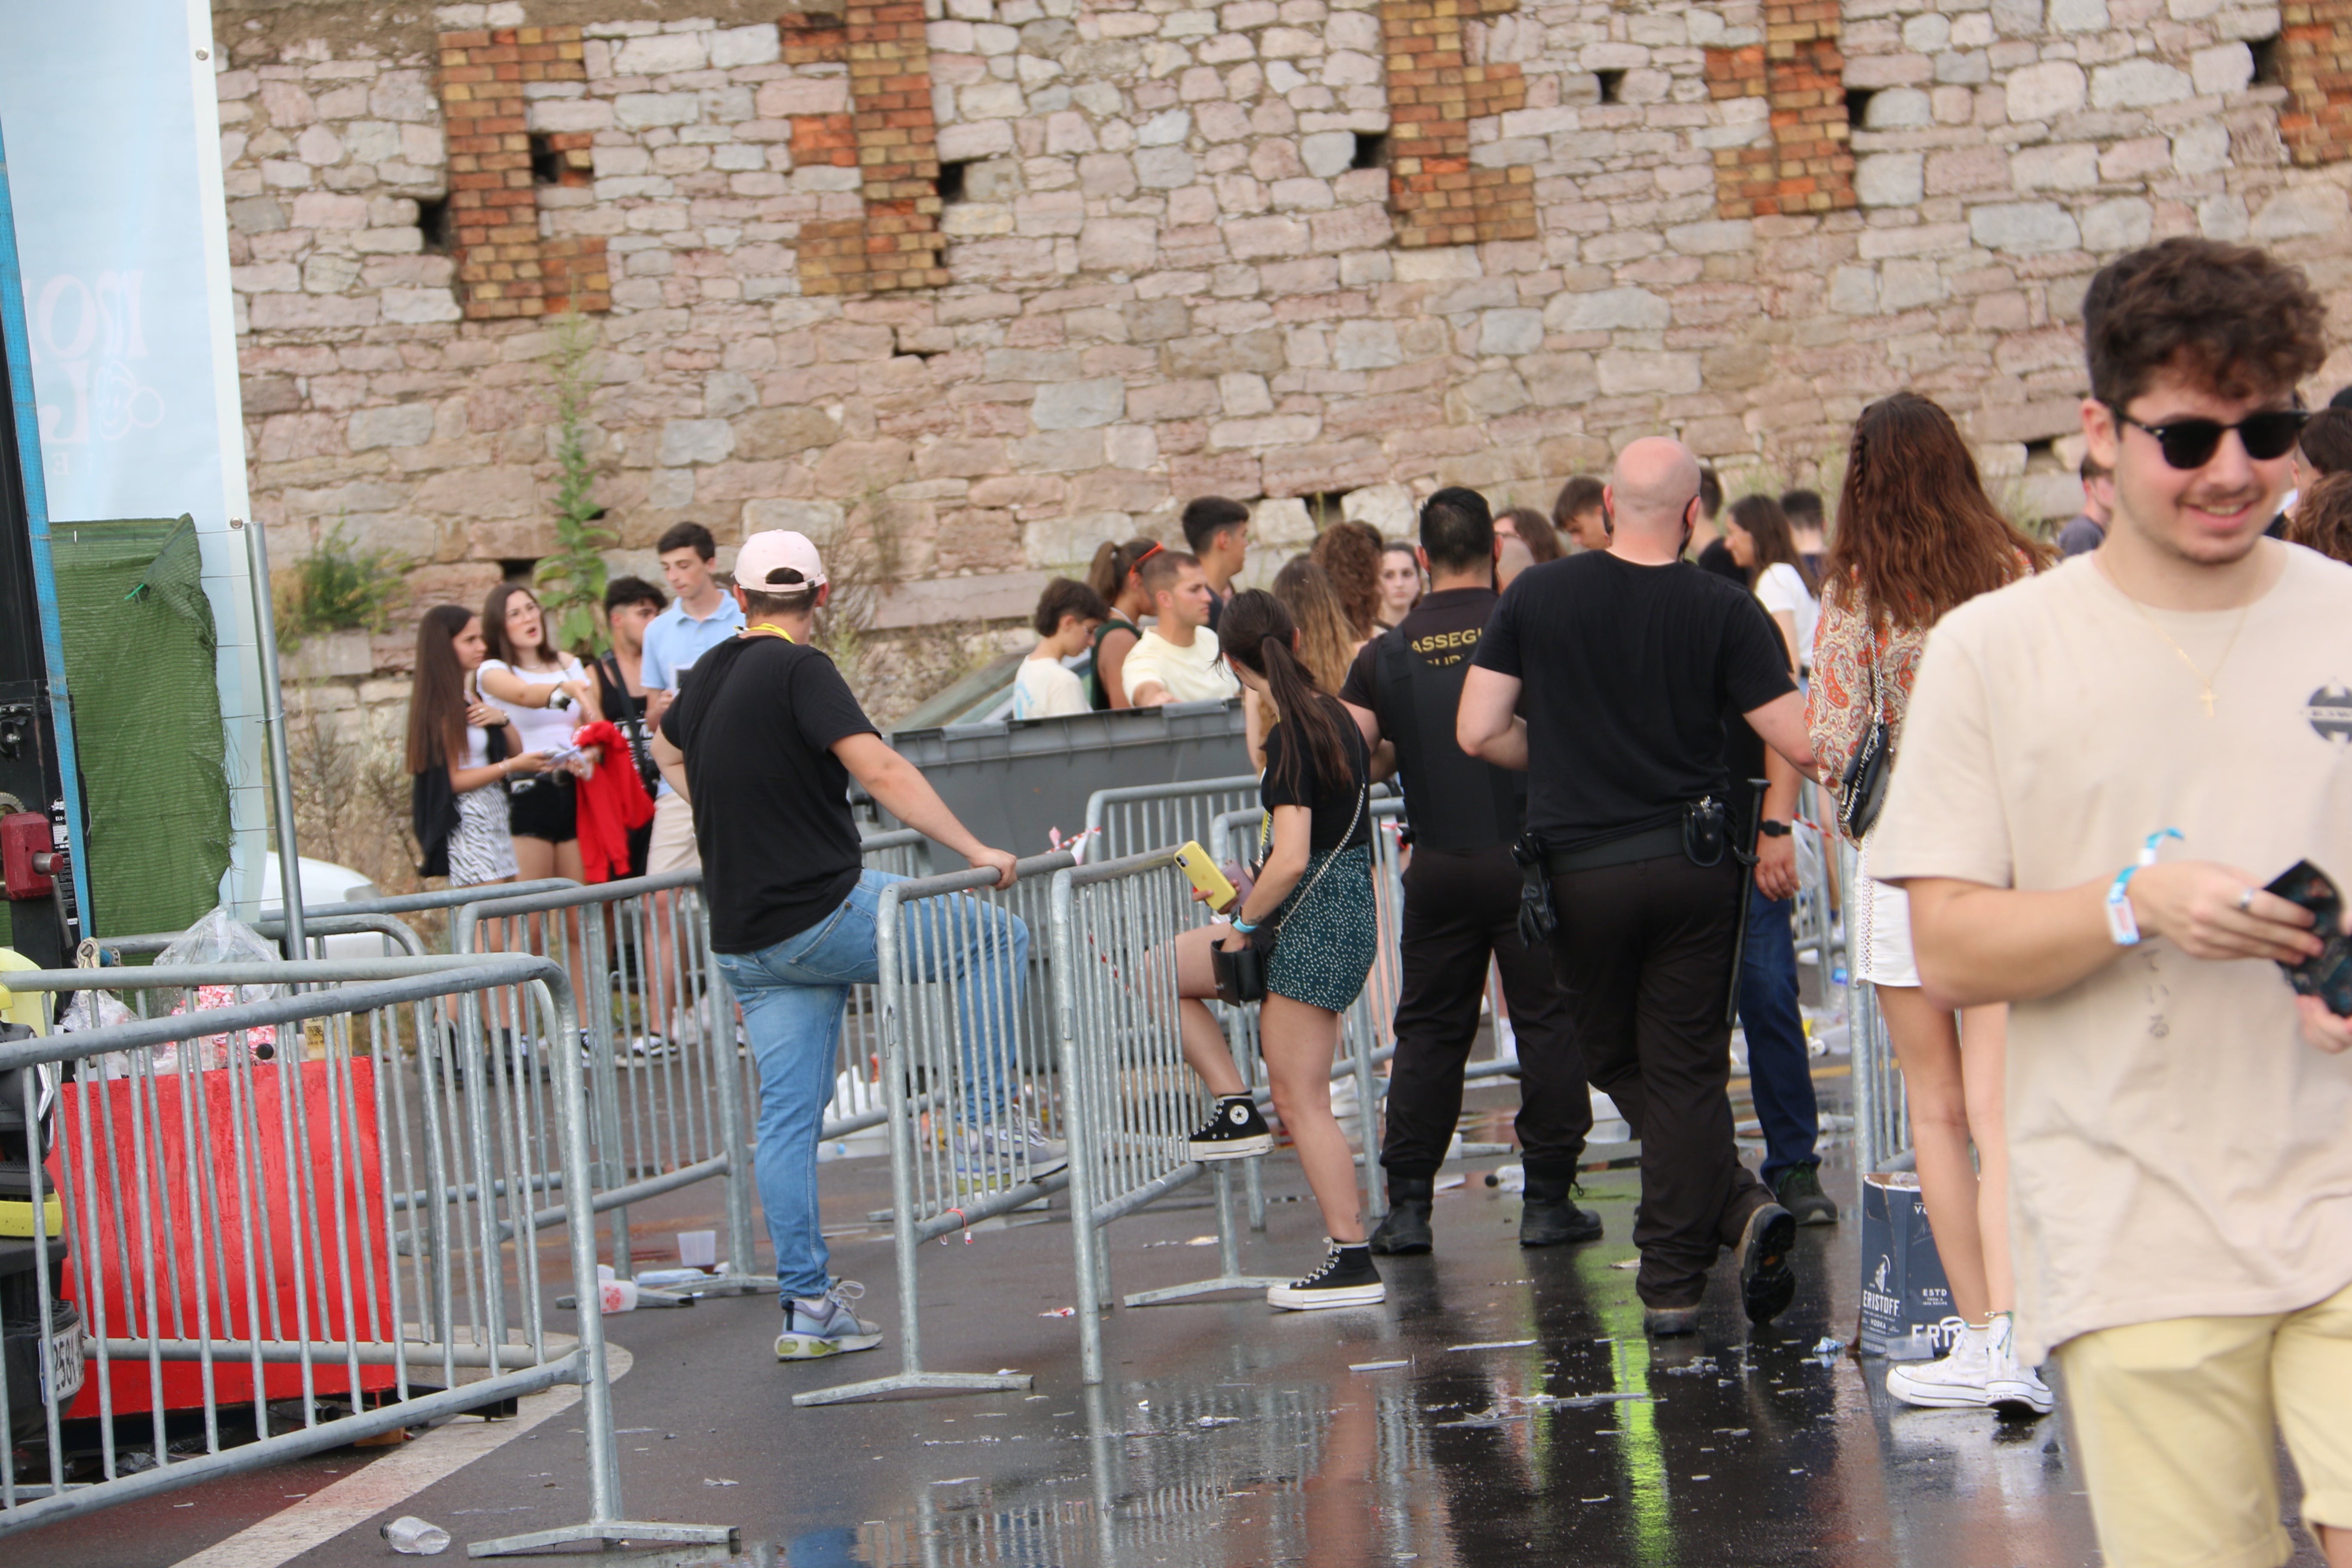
1321,255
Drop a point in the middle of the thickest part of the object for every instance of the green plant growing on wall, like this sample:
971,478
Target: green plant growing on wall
571,583
337,587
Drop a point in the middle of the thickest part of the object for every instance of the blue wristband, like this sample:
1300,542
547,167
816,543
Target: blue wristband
1243,926
2122,925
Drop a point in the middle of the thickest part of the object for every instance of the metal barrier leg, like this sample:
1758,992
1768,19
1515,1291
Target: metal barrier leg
1229,1276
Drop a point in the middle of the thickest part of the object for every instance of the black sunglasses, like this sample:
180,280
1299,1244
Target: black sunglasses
2191,443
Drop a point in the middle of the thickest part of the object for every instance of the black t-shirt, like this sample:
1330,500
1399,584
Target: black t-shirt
1627,672
1333,801
1442,630
756,718
1716,558
1743,758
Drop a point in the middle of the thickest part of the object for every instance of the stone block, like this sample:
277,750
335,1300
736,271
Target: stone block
2300,210
644,110
1964,170
1889,179
2202,148
2121,223
2023,228
1628,371
1896,109
819,521
2225,68
1559,381
1366,345
1080,404
417,307
1274,430
291,312
1853,291
2060,166
1608,310
256,214
322,209
1244,394
685,441
1165,168
664,54
758,45
2138,83
767,434
1510,331
853,468
1328,153
1715,238
2046,91
2078,16
554,114
1907,283
1260,238
1889,70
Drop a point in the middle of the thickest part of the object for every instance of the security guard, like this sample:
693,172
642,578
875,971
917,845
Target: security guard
1461,902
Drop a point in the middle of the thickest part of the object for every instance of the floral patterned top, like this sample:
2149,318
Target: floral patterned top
1846,649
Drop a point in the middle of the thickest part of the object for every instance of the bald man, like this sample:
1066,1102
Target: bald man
1624,661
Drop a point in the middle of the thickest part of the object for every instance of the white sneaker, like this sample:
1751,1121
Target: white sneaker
826,1326
1008,1148
2010,1387
1952,1381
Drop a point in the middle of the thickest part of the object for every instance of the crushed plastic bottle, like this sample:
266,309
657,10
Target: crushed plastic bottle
1510,1178
415,1537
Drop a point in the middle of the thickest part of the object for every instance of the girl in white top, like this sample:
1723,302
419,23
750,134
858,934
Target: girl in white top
1756,533
1067,614
448,727
546,695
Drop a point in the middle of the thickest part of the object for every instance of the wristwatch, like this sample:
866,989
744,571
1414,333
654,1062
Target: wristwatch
1773,829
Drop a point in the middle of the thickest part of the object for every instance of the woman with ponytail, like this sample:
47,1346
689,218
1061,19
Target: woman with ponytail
1314,893
1113,577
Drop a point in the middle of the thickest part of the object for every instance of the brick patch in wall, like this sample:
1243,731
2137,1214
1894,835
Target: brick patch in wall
2314,62
1807,164
1435,195
889,136
504,267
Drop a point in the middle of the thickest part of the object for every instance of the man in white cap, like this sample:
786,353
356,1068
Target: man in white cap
764,737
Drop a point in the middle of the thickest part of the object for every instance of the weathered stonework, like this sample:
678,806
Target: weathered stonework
2314,55
1163,273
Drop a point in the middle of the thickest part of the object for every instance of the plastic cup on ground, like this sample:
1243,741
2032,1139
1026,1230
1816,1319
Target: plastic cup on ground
415,1537
698,1248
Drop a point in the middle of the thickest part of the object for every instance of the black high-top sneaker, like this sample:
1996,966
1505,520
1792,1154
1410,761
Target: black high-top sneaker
1234,1131
1345,1280
1548,1215
1404,1231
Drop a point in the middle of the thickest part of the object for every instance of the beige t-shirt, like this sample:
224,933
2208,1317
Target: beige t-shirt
1194,674
2176,1149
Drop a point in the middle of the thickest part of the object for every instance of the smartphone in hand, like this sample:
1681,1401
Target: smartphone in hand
2328,975
1204,874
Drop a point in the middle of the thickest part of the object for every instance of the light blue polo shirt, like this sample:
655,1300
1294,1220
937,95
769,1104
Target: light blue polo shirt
674,640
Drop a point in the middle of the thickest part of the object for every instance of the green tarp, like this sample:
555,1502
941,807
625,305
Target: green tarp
140,651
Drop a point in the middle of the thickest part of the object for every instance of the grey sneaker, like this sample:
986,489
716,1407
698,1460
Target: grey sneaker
826,1326
1011,1146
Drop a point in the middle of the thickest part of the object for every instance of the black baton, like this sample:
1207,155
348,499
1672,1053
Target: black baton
1746,891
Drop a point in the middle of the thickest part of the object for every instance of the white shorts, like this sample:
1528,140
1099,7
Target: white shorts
1882,914
672,848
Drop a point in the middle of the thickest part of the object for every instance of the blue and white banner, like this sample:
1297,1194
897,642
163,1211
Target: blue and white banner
112,132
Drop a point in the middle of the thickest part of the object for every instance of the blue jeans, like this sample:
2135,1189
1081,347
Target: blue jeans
1780,1070
793,995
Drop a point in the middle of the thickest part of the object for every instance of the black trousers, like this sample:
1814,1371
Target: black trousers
1460,908
1644,957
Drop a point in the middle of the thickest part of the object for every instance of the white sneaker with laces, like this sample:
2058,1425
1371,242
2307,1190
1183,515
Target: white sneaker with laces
2010,1386
1015,1146
1955,1380
823,1325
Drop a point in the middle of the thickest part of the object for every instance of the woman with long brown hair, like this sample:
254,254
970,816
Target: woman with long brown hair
1764,545
546,696
1326,639
1115,577
457,798
1916,537
1351,552
1314,893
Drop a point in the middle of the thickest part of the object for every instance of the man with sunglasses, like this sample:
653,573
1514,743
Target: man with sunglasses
1624,661
2102,768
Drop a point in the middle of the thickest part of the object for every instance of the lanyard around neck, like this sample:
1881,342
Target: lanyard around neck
769,628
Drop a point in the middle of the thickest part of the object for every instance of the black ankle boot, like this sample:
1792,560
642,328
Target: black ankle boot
1548,1216
1406,1231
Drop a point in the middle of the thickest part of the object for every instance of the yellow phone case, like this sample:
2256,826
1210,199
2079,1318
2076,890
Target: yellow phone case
1206,875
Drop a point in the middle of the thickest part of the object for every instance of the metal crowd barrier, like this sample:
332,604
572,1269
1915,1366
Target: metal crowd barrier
238,1259
969,1068
1133,1101
668,1085
1121,822
1881,1116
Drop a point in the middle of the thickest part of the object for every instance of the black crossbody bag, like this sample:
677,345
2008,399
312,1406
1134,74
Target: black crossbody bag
1241,972
1863,791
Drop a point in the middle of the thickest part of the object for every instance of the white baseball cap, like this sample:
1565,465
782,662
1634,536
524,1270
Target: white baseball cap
778,561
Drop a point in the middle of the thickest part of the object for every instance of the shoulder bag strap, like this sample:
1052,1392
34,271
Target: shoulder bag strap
1364,794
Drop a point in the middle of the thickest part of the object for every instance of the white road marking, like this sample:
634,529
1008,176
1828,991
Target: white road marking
387,1482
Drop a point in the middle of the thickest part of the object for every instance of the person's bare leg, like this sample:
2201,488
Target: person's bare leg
1984,1050
2336,1540
1205,1051
1927,1045
567,859
1299,1040
534,858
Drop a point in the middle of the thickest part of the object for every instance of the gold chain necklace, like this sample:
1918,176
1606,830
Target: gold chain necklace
2204,681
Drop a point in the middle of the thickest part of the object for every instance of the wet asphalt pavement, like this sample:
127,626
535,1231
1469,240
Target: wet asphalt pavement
1502,1408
